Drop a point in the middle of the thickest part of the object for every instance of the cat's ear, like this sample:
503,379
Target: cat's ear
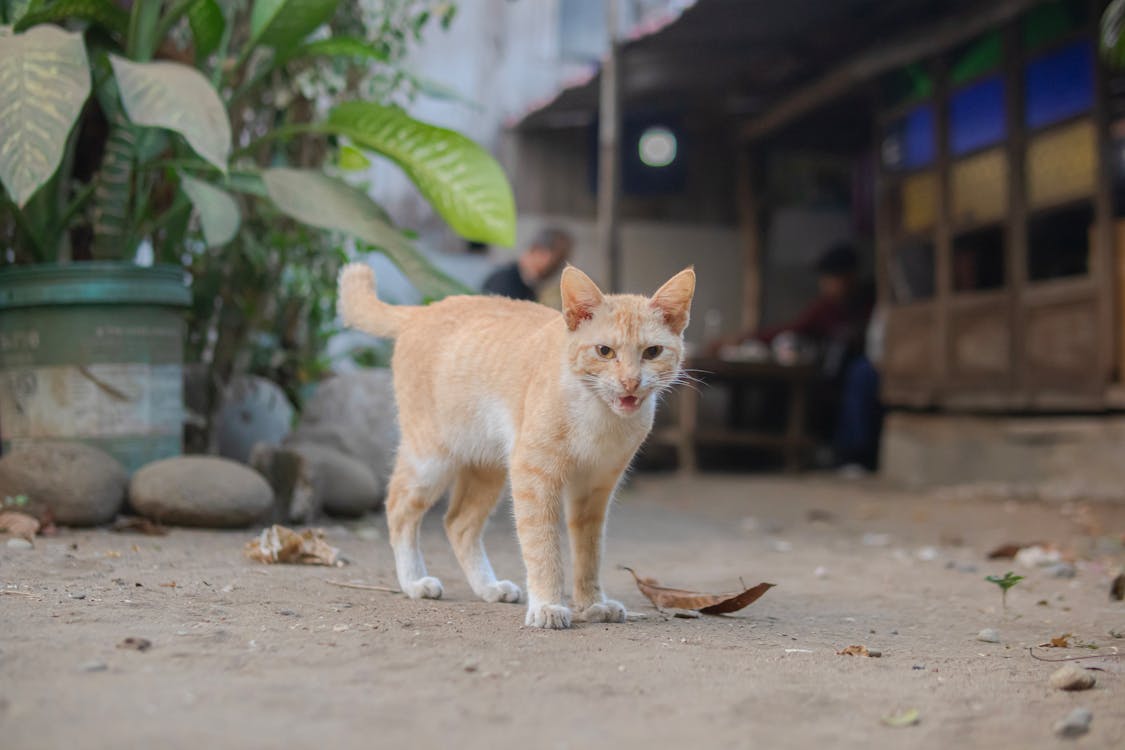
674,300
580,297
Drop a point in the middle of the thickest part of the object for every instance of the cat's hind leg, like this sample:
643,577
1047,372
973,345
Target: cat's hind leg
415,486
475,492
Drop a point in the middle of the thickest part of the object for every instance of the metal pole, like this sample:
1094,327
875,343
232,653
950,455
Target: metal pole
609,160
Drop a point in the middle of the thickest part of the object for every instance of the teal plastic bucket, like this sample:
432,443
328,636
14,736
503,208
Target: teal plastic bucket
93,352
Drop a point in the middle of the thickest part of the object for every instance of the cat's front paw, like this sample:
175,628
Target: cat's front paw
607,611
424,588
551,616
501,591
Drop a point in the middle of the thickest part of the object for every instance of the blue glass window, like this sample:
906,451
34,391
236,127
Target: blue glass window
976,116
1059,84
911,141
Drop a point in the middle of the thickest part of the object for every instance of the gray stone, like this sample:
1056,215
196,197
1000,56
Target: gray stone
296,499
354,414
989,635
94,666
344,486
1062,570
1074,724
19,543
254,410
1071,677
200,491
80,484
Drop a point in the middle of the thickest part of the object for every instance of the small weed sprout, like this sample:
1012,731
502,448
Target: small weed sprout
1006,582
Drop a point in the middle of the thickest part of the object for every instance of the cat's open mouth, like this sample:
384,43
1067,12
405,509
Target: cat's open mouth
628,404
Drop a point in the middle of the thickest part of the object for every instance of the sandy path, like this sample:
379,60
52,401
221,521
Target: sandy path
250,656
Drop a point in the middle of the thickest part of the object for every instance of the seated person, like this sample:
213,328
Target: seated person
522,278
836,322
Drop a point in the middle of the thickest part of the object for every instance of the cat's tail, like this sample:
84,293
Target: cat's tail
360,308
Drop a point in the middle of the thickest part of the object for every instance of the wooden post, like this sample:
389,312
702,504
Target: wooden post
751,231
609,159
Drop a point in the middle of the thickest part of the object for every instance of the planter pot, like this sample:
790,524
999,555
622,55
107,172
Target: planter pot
93,352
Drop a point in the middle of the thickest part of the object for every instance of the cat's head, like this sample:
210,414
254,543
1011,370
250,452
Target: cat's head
626,348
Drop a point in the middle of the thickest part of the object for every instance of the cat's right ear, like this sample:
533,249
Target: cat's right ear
580,297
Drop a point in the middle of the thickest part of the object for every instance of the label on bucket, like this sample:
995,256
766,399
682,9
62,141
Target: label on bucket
91,401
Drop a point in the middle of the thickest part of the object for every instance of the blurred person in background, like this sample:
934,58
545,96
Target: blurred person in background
836,323
523,278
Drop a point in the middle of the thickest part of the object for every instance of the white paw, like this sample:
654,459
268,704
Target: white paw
607,611
424,588
553,616
501,591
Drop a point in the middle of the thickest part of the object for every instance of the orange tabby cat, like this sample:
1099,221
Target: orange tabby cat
491,388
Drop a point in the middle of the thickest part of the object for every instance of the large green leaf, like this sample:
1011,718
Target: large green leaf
207,25
218,211
337,46
460,179
44,83
321,201
176,97
105,13
282,24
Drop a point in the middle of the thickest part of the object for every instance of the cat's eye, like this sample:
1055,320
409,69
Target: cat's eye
604,351
652,352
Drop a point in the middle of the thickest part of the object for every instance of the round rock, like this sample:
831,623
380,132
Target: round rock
1071,677
80,485
989,635
345,486
1074,724
354,414
200,491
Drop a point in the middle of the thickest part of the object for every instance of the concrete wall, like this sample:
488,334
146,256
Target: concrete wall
1080,453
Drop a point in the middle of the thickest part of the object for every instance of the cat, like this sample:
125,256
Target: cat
490,389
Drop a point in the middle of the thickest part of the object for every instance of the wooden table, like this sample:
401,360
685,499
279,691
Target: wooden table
687,436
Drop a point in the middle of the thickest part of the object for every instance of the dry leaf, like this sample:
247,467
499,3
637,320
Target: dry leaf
709,604
277,544
19,524
169,585
138,525
1010,550
906,718
859,651
135,644
1062,641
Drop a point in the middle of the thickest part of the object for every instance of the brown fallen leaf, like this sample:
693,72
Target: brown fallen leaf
135,644
278,544
169,585
19,524
1010,550
138,525
663,597
1061,641
859,651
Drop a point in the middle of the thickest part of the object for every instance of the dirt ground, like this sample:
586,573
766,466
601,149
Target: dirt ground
246,655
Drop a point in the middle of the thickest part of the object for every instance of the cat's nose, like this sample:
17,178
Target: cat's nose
630,384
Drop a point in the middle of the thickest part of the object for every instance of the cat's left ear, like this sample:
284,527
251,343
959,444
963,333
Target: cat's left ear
674,300
580,297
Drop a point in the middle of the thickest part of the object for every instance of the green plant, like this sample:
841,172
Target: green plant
166,142
214,135
1005,582
1111,40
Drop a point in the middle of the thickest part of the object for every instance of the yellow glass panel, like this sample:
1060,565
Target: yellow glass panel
980,188
919,202
1062,164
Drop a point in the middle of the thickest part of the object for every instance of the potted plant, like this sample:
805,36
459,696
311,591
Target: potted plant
134,129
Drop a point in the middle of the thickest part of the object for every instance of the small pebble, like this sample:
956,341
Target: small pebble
95,666
368,533
919,666
18,543
1062,570
989,635
287,613
967,568
77,595
1071,677
871,539
821,572
1075,724
780,545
